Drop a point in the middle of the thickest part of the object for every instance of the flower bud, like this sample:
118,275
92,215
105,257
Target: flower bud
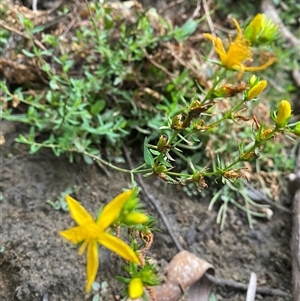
296,129
284,112
177,122
261,30
162,144
135,288
249,156
134,218
265,133
229,90
252,80
131,204
256,89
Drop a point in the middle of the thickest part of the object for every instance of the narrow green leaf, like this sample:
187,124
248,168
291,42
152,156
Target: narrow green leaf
189,28
38,29
98,107
21,139
27,53
147,154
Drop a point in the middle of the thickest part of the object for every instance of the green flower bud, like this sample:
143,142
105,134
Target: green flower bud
296,129
261,30
162,143
130,204
252,80
134,218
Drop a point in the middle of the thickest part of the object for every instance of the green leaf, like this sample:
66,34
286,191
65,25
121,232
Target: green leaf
21,139
98,107
38,29
189,28
154,152
27,53
53,85
34,148
96,286
147,154
67,65
78,145
88,160
212,297
96,298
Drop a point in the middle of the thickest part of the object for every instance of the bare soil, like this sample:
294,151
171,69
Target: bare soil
37,264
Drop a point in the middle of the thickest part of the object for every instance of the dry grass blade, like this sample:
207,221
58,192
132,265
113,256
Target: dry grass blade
252,288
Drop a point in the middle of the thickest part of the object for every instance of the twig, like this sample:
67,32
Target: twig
171,4
261,196
20,33
208,18
153,62
196,12
55,8
240,286
153,201
103,169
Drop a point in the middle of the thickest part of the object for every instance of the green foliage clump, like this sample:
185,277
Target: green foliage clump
99,84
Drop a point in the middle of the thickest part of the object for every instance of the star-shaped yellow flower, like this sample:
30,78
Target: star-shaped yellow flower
90,233
239,51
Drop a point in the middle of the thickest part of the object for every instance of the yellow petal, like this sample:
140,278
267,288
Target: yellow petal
74,235
135,288
239,51
118,246
78,212
83,247
218,44
112,209
92,263
268,63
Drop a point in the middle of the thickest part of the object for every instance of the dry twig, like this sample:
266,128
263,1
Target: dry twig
20,33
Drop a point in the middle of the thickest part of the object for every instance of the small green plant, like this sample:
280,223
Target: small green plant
82,112
99,289
60,203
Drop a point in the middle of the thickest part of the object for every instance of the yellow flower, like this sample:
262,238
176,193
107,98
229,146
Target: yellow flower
261,30
90,233
135,288
256,89
284,112
239,51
